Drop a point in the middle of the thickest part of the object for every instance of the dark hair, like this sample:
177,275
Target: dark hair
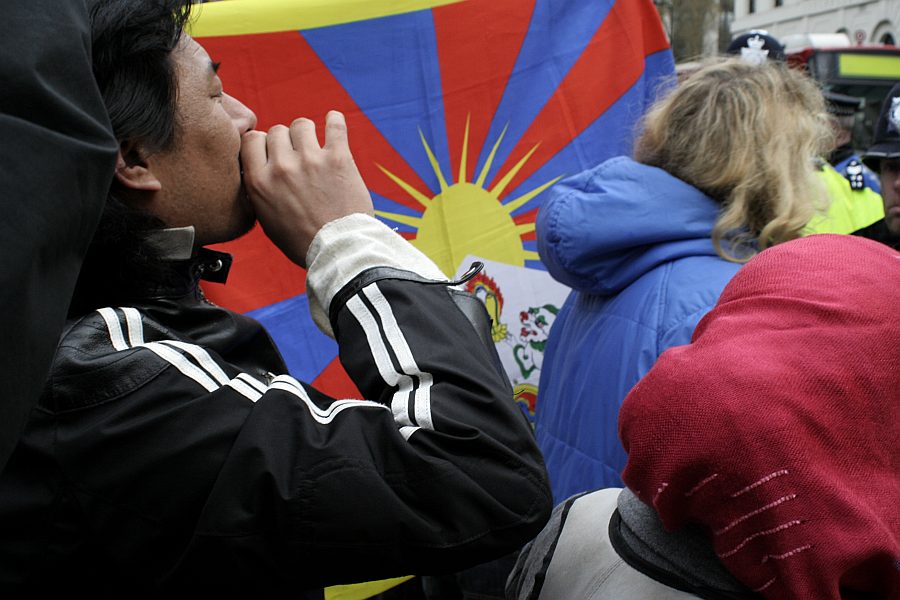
132,44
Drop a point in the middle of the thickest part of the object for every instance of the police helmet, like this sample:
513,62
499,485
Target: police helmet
756,46
886,143
842,105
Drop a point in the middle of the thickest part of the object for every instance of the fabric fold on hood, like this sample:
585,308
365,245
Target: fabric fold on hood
602,229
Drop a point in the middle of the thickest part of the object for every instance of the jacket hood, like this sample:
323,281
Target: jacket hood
604,228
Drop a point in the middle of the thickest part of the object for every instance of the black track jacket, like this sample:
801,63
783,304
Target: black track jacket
171,452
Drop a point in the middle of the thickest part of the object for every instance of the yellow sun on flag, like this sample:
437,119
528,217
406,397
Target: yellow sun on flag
467,218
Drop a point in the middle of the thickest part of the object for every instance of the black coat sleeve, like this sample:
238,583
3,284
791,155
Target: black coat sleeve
57,154
193,473
438,472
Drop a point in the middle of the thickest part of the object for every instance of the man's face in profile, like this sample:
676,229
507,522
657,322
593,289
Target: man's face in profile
889,173
200,175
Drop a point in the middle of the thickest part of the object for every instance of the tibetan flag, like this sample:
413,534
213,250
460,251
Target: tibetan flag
461,115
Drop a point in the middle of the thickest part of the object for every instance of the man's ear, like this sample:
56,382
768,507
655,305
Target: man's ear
132,170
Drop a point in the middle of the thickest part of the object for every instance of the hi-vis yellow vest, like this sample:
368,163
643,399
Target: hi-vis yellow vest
849,210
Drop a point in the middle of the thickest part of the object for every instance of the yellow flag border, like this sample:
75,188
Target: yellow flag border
360,591
243,17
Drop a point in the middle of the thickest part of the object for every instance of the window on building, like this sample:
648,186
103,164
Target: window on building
778,3
751,6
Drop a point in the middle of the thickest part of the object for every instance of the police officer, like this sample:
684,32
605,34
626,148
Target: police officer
852,203
883,157
852,188
843,110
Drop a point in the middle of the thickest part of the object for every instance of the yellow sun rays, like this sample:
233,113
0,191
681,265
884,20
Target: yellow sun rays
466,217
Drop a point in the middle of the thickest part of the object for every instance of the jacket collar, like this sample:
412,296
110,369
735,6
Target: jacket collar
181,265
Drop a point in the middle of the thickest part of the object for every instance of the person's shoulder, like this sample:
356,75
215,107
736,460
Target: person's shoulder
692,288
879,232
858,175
102,332
687,276
681,277
102,355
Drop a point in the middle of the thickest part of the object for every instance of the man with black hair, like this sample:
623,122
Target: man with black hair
171,452
56,160
883,157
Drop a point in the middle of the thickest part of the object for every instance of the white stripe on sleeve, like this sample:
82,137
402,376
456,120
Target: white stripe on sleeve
187,368
136,337
404,355
241,387
201,356
135,326
404,383
212,377
116,337
257,385
324,416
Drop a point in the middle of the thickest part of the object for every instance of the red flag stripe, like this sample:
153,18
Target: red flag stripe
478,44
610,64
334,381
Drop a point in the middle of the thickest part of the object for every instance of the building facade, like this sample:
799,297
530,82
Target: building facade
863,21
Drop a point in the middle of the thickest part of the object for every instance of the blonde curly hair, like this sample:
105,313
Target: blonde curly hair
748,137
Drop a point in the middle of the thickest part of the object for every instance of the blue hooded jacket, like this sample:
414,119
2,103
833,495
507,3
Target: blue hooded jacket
634,244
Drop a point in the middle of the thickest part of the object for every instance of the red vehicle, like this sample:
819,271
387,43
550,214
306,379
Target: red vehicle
867,72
